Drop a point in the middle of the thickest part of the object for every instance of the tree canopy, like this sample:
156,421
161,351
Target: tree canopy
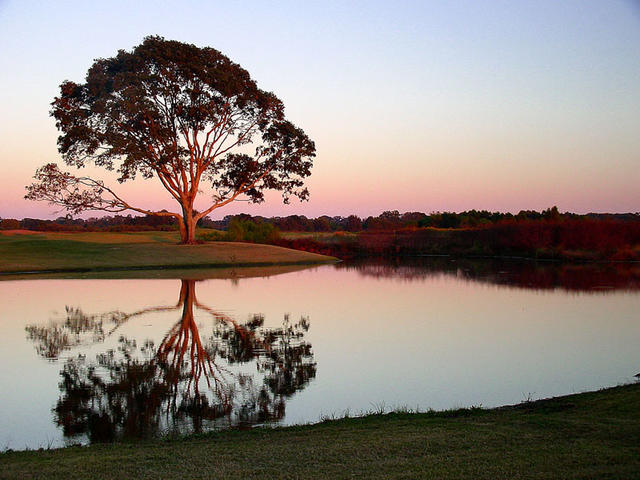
185,115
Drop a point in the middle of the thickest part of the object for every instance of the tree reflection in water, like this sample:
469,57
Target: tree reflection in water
185,384
590,278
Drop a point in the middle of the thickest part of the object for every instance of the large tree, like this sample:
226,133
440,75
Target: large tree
185,115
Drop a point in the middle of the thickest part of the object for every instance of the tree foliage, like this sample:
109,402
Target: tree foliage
185,115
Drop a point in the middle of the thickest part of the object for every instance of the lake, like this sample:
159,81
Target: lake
104,359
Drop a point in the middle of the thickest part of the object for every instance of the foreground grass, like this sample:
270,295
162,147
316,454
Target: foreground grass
589,435
63,252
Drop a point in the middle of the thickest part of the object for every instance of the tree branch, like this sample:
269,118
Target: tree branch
78,194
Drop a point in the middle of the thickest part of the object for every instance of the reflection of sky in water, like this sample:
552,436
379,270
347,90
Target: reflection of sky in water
435,342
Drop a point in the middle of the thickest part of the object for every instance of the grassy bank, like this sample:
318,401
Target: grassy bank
589,435
78,252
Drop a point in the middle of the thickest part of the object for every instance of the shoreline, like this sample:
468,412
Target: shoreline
188,266
592,434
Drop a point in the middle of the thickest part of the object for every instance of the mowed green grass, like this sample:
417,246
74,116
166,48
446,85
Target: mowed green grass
586,436
97,251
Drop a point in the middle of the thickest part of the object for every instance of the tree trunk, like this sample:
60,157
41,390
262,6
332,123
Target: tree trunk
187,226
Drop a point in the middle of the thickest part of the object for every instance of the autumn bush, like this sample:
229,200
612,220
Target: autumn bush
244,231
576,239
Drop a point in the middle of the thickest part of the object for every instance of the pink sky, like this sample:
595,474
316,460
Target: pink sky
423,107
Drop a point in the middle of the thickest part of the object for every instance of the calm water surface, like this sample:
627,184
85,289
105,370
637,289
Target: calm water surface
98,360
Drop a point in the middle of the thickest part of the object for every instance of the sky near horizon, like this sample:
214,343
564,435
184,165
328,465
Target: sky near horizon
413,106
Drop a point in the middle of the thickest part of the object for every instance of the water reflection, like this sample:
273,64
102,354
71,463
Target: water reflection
187,383
133,358
587,277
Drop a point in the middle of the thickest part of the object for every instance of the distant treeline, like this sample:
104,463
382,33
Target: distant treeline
386,221
116,223
394,220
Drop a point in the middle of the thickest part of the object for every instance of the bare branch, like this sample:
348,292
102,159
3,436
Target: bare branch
78,194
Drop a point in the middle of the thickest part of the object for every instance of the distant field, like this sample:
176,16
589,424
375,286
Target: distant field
99,251
586,436
96,237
